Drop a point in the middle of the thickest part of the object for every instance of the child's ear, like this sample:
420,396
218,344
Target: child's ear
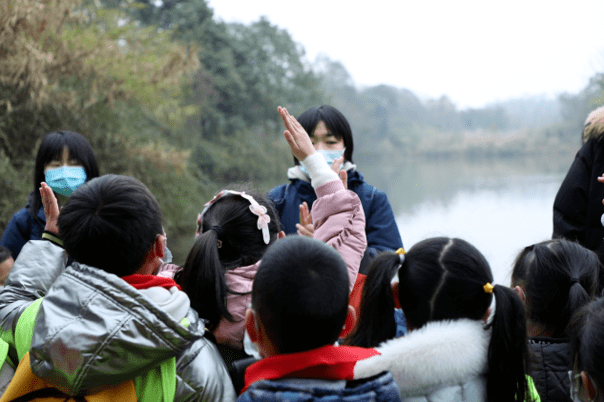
281,235
520,292
250,325
159,246
397,302
590,387
351,321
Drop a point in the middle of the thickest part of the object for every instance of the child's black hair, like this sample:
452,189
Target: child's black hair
443,279
558,277
587,341
51,149
300,294
110,223
229,238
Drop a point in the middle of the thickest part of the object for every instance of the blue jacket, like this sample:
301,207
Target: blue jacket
381,388
21,229
380,225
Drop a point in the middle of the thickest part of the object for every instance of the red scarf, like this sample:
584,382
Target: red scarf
139,281
327,362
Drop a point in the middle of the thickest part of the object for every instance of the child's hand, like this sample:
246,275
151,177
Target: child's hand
296,136
51,208
335,166
305,227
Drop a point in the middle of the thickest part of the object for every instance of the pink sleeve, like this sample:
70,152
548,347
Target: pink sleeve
239,280
168,270
340,222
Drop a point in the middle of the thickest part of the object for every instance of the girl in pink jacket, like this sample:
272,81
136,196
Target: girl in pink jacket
236,228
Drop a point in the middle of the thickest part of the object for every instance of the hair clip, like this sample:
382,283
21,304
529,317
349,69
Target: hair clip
257,209
488,288
401,254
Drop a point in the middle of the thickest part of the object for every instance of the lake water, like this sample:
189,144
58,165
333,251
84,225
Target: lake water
500,206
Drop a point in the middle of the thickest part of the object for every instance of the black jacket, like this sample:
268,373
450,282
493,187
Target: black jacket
578,205
549,368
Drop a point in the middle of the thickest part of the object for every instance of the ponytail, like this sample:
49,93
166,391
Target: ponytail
203,280
508,350
376,322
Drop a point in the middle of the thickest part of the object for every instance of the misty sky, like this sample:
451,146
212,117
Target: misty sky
474,51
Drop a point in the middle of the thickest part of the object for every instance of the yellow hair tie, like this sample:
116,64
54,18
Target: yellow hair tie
488,288
401,254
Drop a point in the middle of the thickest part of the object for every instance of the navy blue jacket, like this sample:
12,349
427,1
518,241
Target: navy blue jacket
379,389
21,229
380,226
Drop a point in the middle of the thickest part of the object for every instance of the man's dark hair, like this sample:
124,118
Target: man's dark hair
300,294
110,223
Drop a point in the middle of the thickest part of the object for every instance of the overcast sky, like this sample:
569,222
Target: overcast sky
474,51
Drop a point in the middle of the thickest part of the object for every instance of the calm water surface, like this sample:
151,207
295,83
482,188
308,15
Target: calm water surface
500,206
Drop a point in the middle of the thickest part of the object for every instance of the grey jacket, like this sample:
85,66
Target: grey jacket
94,329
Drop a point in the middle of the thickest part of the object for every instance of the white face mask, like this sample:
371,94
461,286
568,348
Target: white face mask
329,155
250,347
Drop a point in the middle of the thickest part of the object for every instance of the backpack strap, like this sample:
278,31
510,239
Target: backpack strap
148,385
25,328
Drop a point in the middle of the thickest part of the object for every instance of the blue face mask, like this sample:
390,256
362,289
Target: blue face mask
65,179
329,155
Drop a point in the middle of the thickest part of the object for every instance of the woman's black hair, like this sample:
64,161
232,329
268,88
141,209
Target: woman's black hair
51,149
443,279
586,331
229,238
558,277
335,122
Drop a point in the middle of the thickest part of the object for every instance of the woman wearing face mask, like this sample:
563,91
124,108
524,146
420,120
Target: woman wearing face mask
331,135
65,160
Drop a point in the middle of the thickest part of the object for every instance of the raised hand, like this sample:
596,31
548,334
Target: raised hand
296,136
335,166
51,208
305,227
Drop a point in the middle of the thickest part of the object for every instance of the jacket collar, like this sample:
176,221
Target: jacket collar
327,362
440,353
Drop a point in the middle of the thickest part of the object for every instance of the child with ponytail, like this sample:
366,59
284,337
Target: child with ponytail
236,228
467,337
554,279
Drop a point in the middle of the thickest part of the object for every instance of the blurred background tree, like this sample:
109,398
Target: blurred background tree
186,103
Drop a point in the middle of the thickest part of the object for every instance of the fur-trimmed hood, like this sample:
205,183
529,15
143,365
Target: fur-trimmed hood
439,355
594,125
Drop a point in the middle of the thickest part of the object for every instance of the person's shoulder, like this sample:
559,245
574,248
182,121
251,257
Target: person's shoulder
380,387
203,372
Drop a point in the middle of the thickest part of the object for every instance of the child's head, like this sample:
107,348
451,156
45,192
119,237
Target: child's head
555,278
443,278
447,279
234,230
587,341
300,296
111,223
51,151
